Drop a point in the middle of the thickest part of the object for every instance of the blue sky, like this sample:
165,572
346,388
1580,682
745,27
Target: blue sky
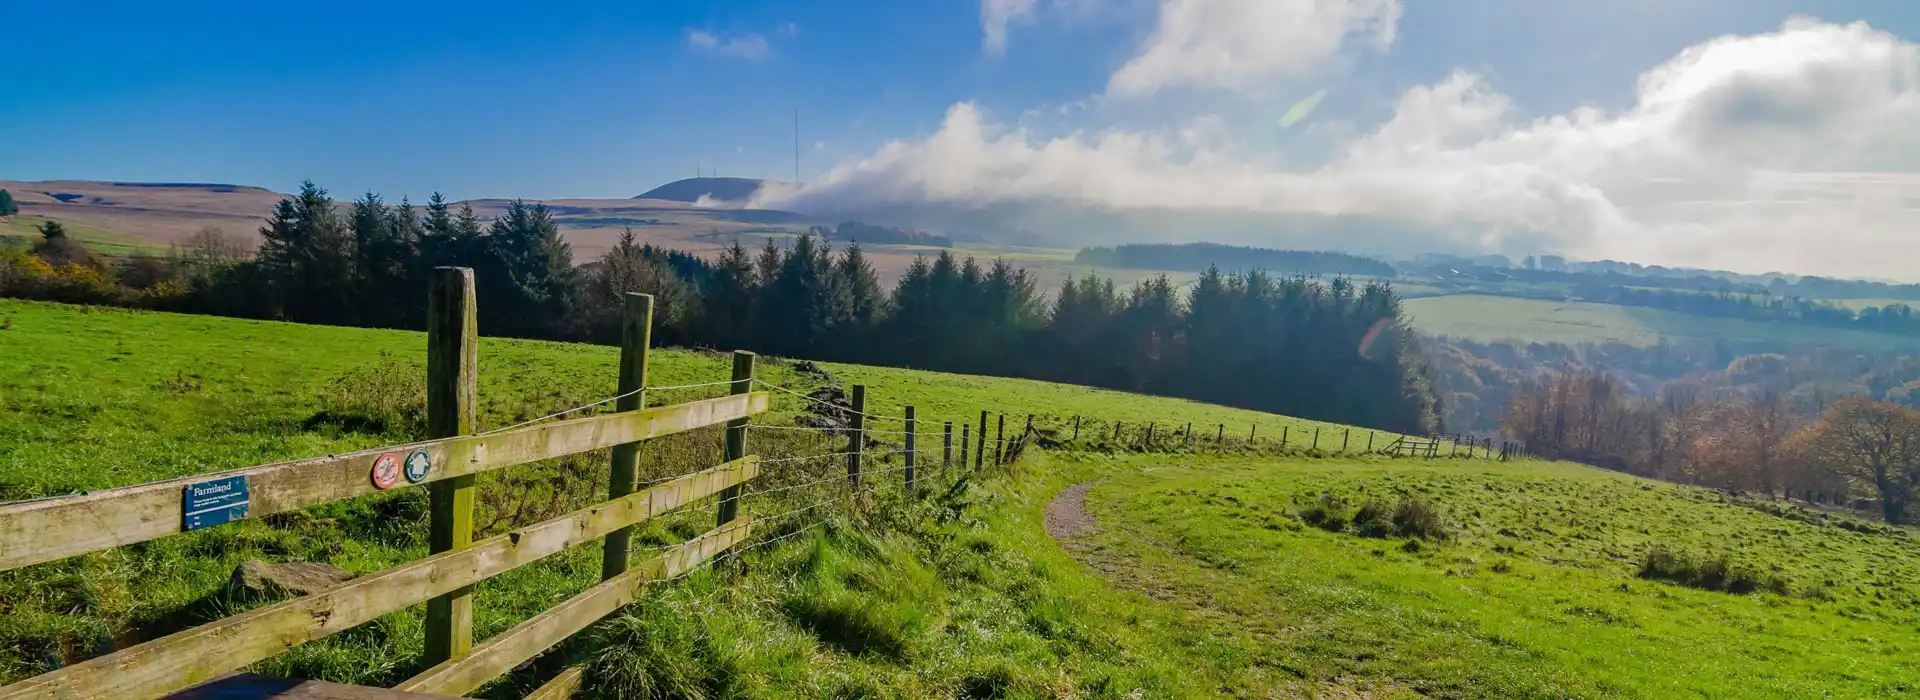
1428,104
606,99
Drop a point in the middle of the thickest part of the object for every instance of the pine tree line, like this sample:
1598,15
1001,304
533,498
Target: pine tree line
1328,350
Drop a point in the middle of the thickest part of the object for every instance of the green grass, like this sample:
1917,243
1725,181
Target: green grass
92,398
1203,579
1535,593
99,240
1493,318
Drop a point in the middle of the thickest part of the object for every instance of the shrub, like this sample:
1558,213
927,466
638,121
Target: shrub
1374,519
1414,516
1328,514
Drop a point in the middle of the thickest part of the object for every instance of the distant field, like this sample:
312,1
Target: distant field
1858,304
1534,593
99,240
1491,318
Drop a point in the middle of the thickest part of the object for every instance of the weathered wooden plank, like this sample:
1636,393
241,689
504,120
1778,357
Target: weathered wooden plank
509,649
36,531
182,659
561,687
453,380
251,686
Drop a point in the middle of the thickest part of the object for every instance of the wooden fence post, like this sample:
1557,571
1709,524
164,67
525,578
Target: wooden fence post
1283,435
1000,440
453,343
857,439
1076,428
1148,445
1189,435
913,426
980,457
1344,437
736,435
966,438
1220,439
1316,438
1369,441
1250,431
636,336
946,447
1116,430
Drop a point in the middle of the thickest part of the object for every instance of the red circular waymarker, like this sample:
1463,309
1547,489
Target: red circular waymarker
386,470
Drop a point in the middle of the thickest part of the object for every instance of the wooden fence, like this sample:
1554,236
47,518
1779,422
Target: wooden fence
49,529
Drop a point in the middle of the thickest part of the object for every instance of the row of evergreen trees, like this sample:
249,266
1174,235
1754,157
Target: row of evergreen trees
1327,350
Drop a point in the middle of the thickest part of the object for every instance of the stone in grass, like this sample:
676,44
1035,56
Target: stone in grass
260,580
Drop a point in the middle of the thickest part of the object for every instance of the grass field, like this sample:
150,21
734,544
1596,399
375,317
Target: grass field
26,229
92,398
1491,318
1535,593
1205,577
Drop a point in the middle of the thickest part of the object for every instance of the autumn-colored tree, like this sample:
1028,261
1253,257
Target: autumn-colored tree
1741,444
1875,442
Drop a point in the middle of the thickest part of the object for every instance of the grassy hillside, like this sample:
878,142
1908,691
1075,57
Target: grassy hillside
1535,592
96,397
25,231
92,398
1490,318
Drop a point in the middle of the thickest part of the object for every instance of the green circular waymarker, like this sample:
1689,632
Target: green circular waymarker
418,466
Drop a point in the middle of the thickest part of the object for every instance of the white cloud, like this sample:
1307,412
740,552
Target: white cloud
747,46
1793,150
1243,44
995,15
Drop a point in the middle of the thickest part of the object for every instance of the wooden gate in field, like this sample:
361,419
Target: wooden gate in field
54,528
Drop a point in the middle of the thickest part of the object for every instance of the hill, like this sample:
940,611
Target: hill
1493,318
160,213
693,189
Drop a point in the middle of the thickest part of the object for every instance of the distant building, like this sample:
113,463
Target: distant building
1553,263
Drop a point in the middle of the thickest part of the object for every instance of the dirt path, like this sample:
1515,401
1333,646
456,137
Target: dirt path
1067,513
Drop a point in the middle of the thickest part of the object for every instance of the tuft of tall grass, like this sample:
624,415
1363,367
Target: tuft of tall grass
1707,573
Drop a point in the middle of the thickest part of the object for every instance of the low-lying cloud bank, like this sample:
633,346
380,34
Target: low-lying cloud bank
1795,149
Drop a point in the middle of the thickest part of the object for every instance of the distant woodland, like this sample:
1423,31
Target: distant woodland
1331,350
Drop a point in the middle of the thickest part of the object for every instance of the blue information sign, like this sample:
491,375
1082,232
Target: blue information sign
210,503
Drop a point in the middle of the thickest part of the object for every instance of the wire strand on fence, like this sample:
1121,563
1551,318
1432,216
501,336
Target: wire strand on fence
558,414
780,460
602,402
701,385
824,402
